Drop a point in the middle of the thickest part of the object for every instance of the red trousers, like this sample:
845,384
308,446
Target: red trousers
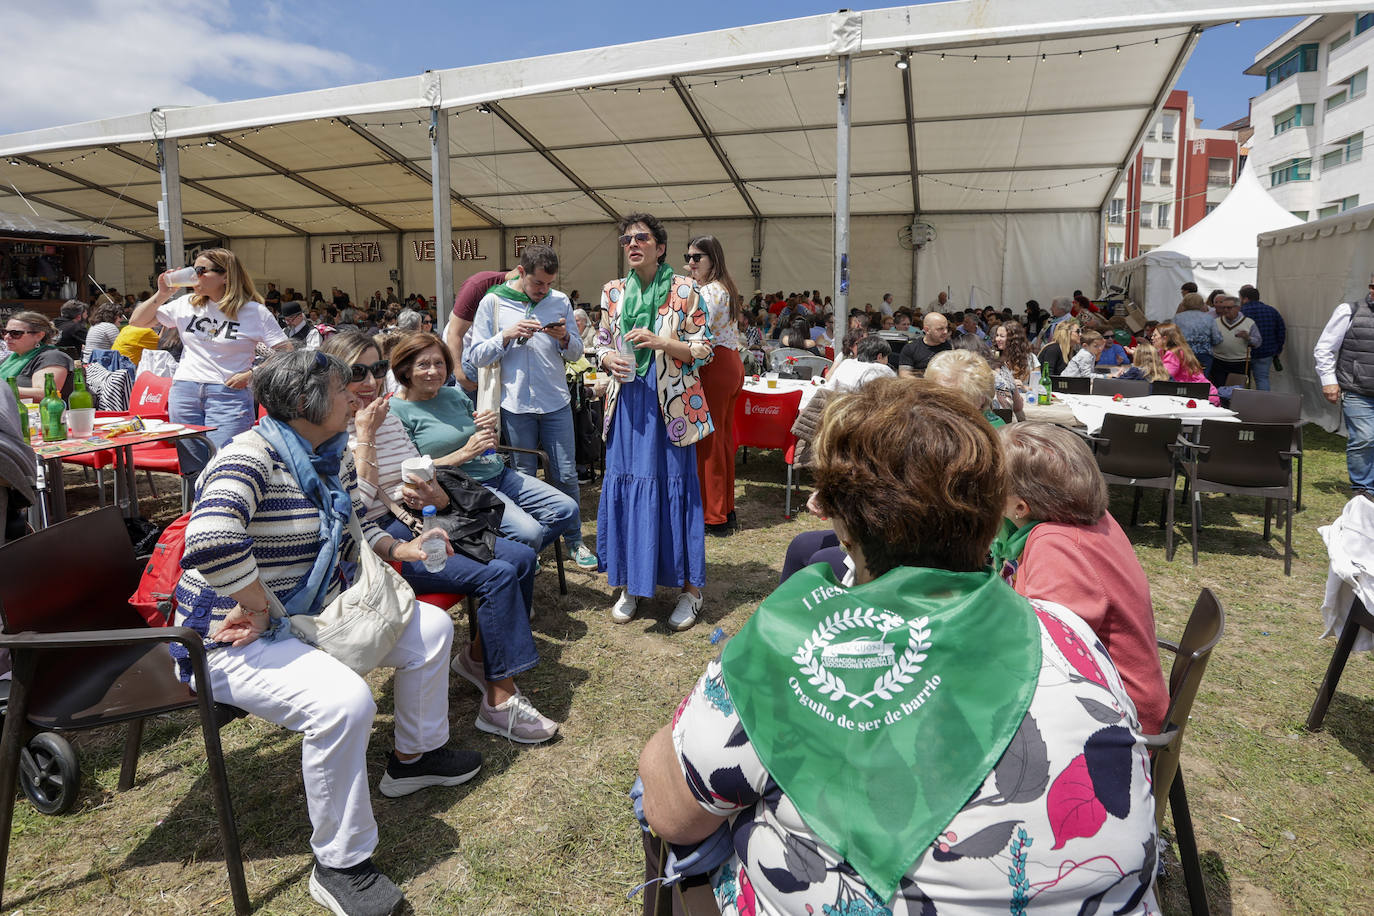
721,380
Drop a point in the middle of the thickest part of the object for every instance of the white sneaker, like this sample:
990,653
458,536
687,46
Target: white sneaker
625,608
685,614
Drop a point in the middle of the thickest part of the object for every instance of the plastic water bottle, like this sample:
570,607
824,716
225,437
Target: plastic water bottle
435,554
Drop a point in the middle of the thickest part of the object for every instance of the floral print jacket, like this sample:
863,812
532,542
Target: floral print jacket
680,396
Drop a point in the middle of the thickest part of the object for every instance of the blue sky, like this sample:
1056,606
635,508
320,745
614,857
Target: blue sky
123,56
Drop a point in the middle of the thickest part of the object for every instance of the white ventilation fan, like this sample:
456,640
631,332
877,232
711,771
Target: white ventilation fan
918,235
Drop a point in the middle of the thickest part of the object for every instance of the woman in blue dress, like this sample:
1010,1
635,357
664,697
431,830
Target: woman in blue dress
653,338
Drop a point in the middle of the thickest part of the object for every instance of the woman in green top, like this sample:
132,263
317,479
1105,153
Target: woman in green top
32,356
441,422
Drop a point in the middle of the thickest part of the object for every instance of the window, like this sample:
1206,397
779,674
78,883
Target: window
1113,254
1350,203
1337,100
1170,125
1324,212
1351,149
1146,249
1292,170
1337,42
1300,214
1207,210
1218,173
1351,88
1363,22
1332,159
1297,116
1166,172
1162,211
1301,60
1147,172
1116,211
1358,81
1145,220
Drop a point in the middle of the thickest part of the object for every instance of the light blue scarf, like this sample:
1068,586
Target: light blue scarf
317,472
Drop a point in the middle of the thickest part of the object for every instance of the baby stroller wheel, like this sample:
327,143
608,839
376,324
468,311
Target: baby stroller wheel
49,773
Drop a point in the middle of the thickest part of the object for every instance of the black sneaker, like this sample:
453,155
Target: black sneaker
731,520
445,766
359,890
723,530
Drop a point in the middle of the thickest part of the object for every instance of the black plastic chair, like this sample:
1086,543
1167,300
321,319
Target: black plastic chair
1198,391
1248,459
84,658
1142,452
1126,387
1067,384
1358,618
1203,631
1254,406
1006,414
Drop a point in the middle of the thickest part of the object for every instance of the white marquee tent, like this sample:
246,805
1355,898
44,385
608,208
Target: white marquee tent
1006,131
1220,252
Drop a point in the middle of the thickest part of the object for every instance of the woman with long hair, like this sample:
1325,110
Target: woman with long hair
1059,351
221,323
1179,359
1011,341
1146,365
32,355
721,380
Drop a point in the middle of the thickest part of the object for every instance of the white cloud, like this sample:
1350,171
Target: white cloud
79,61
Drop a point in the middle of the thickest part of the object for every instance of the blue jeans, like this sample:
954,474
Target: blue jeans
552,432
505,591
229,410
1259,368
536,513
1359,446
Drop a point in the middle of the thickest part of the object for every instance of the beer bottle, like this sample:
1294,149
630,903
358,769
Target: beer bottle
81,398
53,411
1043,396
23,409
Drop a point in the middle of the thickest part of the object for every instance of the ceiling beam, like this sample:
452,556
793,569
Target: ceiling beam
284,172
90,185
685,96
911,141
553,160
198,186
79,215
396,158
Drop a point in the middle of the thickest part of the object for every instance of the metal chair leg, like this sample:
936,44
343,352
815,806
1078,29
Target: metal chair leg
1135,504
787,500
1268,510
133,739
1169,525
224,806
558,558
1288,537
11,742
1187,847
151,486
1357,619
1197,517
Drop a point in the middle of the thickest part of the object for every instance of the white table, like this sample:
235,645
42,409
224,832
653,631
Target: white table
1089,409
784,385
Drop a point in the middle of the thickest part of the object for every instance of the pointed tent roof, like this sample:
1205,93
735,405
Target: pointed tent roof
1227,236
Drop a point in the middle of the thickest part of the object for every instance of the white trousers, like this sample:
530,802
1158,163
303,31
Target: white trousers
297,686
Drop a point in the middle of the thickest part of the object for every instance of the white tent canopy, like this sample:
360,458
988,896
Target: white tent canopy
1007,133
1220,252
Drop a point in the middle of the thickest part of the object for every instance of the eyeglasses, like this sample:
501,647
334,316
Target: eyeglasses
377,369
202,271
693,258
640,237
12,333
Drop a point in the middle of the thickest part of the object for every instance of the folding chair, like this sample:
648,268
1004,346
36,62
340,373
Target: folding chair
1066,384
1254,406
1204,630
765,421
1142,452
1126,387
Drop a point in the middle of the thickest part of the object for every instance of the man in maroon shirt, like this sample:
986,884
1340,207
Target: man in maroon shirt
464,309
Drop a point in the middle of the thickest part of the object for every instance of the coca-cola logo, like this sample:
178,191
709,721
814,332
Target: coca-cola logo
150,396
752,409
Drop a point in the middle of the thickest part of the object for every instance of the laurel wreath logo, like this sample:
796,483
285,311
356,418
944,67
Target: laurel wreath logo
892,681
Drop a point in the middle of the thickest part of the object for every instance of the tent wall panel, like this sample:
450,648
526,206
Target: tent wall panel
1033,270
107,266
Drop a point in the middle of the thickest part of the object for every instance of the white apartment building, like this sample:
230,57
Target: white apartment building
1310,122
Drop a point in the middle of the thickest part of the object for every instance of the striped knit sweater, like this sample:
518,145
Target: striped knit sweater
251,519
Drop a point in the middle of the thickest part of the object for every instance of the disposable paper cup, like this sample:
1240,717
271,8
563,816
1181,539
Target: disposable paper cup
81,422
186,276
422,468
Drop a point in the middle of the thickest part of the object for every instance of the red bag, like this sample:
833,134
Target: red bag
154,597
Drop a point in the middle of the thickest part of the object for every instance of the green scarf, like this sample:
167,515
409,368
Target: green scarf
15,364
509,292
880,709
993,419
637,311
1007,547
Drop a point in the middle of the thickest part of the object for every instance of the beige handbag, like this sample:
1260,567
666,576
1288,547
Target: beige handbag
361,626
489,377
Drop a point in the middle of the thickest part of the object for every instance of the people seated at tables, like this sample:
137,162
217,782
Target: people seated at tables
798,336
869,362
1115,355
270,528
1012,344
1145,365
970,375
1059,543
1178,357
1081,365
441,423
71,323
105,320
1062,348
902,812
32,356
1007,395
934,339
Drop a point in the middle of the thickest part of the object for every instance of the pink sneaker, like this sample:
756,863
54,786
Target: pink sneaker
470,669
516,719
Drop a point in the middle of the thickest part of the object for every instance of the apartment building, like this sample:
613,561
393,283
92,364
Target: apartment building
1180,174
1311,119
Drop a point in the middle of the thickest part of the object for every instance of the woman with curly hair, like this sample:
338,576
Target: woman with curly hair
1011,341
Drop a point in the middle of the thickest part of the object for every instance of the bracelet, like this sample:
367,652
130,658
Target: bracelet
253,613
361,442
391,549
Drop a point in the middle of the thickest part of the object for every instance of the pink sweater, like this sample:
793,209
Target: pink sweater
1093,571
1179,374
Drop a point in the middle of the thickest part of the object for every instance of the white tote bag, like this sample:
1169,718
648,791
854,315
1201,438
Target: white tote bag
489,377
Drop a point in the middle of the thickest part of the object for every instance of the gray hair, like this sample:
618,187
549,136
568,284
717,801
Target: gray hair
408,320
73,308
299,385
1061,304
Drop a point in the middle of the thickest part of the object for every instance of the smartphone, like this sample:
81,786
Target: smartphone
556,324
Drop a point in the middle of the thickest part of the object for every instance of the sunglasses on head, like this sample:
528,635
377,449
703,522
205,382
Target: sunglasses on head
20,332
692,258
202,271
642,238
377,369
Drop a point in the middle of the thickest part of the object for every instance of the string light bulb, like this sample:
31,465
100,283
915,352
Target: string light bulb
902,63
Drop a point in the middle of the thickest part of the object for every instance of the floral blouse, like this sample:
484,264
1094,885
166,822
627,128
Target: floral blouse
716,300
1066,818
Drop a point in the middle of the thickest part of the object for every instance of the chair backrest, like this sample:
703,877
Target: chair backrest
765,420
1126,387
1006,414
75,575
1195,390
1137,447
1245,454
1205,627
149,398
1254,406
1066,384
1236,380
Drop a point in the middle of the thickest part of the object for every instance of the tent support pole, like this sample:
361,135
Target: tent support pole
842,188
309,268
169,166
443,215
401,269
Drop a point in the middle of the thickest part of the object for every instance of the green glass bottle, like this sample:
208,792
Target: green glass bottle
23,408
81,398
53,411
1043,396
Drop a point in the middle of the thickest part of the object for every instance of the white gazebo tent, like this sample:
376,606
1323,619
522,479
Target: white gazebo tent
1220,252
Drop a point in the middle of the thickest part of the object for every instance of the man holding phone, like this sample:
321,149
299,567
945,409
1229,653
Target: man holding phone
522,324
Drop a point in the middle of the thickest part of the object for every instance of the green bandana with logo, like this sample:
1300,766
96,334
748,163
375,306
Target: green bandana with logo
637,311
1007,546
880,709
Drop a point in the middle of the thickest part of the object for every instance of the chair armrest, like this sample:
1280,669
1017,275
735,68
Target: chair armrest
1167,644
539,454
79,639
1290,453
1162,740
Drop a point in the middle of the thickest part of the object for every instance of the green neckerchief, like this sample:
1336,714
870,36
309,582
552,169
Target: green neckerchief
506,291
880,709
1007,547
637,311
992,418
15,364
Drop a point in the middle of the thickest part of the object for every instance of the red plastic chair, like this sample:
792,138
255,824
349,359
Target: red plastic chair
447,600
147,401
765,421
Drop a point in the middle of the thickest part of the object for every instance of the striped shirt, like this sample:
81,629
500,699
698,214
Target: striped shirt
392,445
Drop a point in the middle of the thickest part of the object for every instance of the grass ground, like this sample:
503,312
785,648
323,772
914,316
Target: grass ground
1282,815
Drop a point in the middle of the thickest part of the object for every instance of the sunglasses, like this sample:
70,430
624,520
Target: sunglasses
642,238
377,369
12,333
693,258
202,271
